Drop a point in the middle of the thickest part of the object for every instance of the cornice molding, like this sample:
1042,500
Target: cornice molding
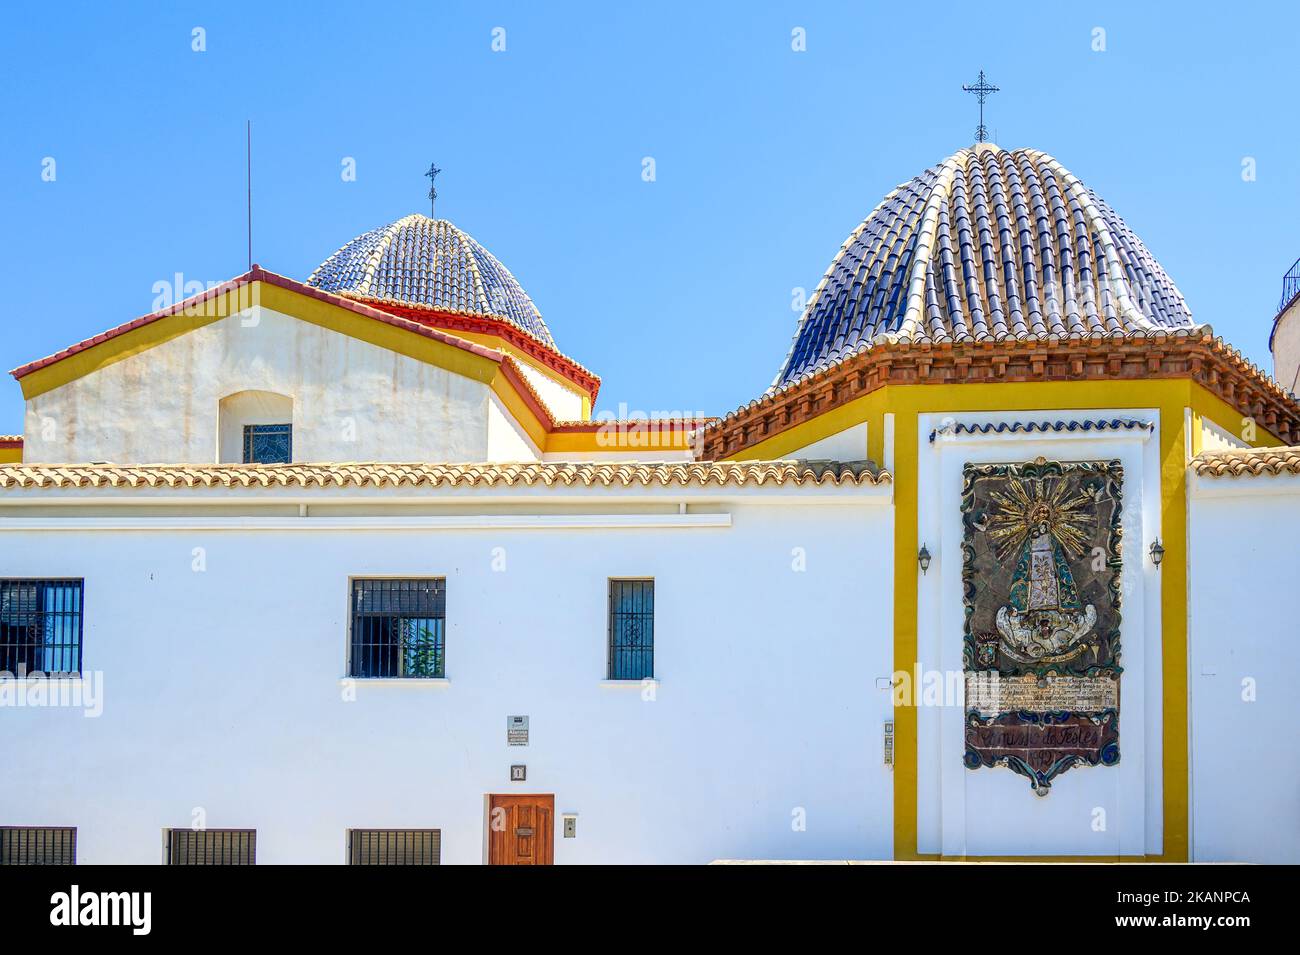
1207,361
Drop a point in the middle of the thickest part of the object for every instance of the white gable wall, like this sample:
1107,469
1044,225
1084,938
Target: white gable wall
352,401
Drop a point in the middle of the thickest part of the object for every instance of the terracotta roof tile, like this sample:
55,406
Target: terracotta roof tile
1192,353
360,475
457,322
1248,462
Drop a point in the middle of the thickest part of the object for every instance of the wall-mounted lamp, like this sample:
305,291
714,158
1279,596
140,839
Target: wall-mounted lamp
923,558
1157,553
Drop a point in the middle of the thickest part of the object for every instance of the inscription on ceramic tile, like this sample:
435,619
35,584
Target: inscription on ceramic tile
990,695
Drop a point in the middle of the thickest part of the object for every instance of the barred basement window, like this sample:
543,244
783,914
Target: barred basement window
398,628
212,847
268,443
394,846
40,627
631,629
38,845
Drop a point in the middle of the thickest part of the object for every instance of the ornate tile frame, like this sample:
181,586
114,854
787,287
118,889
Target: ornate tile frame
1083,737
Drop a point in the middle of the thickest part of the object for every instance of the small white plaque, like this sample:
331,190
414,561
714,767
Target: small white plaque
516,731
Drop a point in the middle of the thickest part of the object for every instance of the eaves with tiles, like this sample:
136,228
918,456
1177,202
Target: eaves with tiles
756,474
1248,462
1192,355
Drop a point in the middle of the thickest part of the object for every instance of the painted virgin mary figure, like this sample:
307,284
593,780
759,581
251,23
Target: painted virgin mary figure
1042,526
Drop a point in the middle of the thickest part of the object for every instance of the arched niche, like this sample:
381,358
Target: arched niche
256,417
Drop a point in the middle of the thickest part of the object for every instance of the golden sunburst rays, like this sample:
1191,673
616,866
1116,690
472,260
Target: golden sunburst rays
1040,501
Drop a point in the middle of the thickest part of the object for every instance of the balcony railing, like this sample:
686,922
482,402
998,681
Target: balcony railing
1290,285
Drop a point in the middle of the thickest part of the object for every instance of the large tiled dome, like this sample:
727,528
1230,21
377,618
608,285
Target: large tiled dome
422,262
989,244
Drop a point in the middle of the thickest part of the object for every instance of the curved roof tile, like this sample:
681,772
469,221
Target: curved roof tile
1247,462
989,244
592,474
430,263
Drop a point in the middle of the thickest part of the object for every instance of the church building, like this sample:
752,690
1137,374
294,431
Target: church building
346,568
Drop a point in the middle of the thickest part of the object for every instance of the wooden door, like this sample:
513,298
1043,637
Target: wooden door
521,830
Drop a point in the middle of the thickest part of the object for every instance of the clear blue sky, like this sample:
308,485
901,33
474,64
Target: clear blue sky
676,292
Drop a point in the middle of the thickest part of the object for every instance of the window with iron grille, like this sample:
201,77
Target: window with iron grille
212,847
398,628
394,846
38,845
268,443
40,627
631,629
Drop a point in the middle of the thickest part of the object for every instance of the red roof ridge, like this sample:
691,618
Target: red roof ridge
259,274
514,374
548,355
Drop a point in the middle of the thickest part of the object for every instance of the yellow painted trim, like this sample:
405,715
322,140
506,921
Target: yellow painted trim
1205,404
312,310
520,411
906,600
1170,398
11,455
611,441
391,337
502,345
870,408
326,315
123,346
1173,610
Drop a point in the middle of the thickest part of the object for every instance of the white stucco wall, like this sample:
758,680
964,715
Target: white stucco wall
247,408
507,441
1244,669
1286,349
847,445
1214,438
221,687
352,401
565,403
993,811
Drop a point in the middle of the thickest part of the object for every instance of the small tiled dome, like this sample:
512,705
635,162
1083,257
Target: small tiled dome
427,262
989,244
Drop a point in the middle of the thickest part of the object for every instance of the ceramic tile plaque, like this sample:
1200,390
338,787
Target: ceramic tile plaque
1041,588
